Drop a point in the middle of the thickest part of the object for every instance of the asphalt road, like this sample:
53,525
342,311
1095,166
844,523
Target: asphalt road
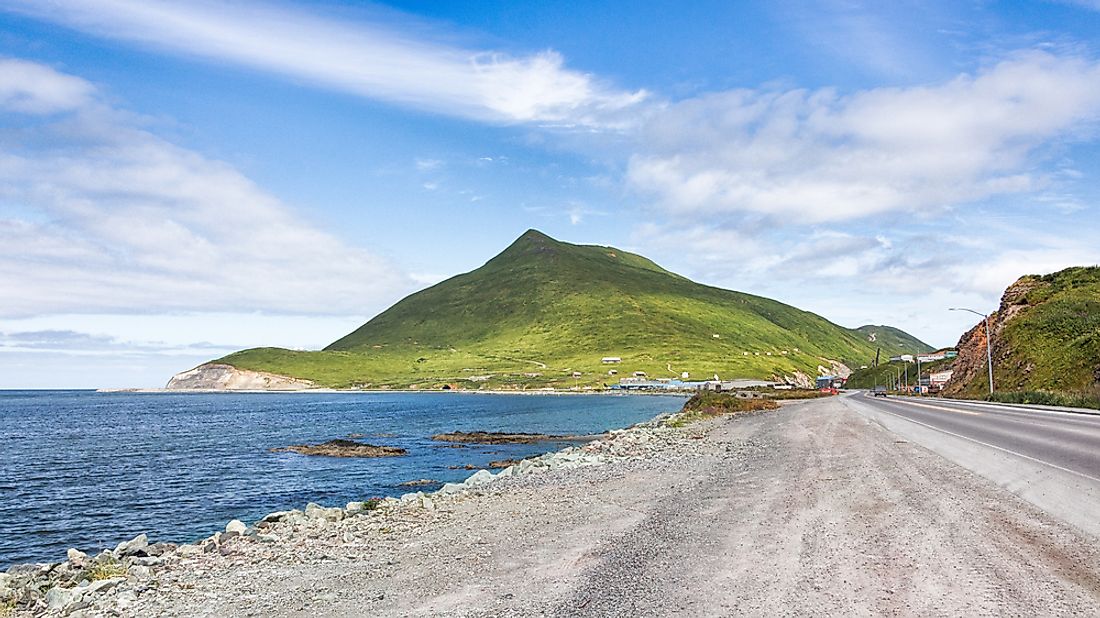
1050,458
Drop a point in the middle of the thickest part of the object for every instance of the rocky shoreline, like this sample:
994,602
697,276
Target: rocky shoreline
121,581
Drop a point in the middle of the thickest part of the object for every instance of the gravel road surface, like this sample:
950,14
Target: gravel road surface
816,509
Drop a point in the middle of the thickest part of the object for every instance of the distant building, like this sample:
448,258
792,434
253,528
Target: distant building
907,358
611,360
939,378
639,374
612,372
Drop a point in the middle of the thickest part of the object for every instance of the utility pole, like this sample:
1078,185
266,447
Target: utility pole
919,387
988,343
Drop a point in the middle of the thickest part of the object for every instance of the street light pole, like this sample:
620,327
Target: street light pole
988,343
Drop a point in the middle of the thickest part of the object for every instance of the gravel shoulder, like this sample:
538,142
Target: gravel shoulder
810,510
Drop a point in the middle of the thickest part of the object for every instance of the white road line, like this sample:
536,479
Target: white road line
994,446
1018,409
929,405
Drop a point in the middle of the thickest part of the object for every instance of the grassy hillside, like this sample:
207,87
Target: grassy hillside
1046,337
893,341
551,308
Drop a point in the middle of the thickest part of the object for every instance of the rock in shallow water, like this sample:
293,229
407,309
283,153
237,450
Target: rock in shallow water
343,448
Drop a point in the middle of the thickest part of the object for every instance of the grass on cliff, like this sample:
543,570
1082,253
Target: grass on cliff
1052,344
709,404
552,308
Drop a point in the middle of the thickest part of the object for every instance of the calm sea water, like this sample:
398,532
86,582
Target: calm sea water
88,470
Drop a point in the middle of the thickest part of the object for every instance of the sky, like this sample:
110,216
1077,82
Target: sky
182,179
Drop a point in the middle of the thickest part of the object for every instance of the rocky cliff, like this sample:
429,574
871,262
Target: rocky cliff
221,377
1045,336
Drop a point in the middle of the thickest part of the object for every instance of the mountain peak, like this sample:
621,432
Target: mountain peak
531,242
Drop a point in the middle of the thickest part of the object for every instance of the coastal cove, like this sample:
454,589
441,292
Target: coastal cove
89,470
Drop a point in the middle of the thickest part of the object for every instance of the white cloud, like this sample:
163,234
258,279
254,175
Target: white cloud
30,88
427,165
98,214
354,56
815,156
902,278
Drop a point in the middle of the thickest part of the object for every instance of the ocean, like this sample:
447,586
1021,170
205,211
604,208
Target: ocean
87,470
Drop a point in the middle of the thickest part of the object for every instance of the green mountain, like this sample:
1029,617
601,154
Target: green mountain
543,310
893,341
1046,337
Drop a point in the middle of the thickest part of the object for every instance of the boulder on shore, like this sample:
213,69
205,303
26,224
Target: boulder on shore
342,448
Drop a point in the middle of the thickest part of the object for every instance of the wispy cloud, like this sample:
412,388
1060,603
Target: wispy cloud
354,56
98,214
85,344
814,156
30,88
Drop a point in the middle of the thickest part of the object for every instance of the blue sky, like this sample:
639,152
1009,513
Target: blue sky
181,179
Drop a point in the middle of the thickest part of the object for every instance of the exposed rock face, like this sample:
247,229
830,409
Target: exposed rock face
970,366
343,448
221,377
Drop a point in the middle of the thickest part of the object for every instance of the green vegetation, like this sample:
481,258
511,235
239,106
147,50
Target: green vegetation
797,393
106,570
1047,343
893,341
1047,398
543,309
708,404
372,504
887,374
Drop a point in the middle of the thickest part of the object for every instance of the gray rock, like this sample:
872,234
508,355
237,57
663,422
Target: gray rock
277,516
126,598
103,585
451,488
160,549
189,550
316,511
480,477
141,571
58,598
236,526
133,547
77,558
